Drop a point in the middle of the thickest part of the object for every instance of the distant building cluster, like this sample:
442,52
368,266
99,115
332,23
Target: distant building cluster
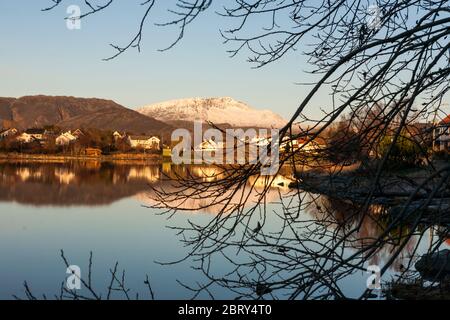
41,136
441,135
92,142
64,139
287,144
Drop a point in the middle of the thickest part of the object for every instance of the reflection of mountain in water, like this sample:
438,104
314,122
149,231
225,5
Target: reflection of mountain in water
90,183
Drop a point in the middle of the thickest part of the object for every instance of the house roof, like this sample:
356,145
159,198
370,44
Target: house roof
7,130
67,135
446,120
210,144
35,131
143,137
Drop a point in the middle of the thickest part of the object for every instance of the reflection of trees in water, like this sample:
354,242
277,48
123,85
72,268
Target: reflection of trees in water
95,183
73,183
205,203
276,242
303,246
344,216
385,71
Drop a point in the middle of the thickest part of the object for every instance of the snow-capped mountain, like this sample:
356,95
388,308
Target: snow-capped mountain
215,110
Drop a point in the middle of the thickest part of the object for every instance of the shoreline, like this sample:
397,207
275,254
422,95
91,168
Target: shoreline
119,159
147,158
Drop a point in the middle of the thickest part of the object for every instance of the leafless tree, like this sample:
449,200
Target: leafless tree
386,68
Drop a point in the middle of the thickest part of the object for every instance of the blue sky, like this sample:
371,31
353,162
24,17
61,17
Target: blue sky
41,56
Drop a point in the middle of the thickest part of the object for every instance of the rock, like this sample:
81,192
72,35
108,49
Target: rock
435,266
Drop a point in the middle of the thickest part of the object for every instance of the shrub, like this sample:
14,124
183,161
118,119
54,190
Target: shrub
405,151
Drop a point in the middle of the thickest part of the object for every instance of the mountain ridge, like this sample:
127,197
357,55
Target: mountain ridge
217,110
70,112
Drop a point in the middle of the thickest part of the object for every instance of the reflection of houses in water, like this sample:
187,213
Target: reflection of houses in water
207,174
212,204
92,164
149,173
279,181
117,177
207,203
26,173
167,167
72,183
64,175
96,183
214,173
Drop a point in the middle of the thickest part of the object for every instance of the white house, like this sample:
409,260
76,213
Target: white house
305,144
31,135
8,133
36,134
145,142
288,143
209,145
258,141
25,138
441,135
261,141
65,139
118,136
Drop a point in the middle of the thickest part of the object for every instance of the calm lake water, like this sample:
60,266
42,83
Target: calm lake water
103,208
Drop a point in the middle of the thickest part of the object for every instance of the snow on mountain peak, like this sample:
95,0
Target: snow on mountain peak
216,110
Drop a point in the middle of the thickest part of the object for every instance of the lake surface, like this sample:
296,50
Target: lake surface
81,207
